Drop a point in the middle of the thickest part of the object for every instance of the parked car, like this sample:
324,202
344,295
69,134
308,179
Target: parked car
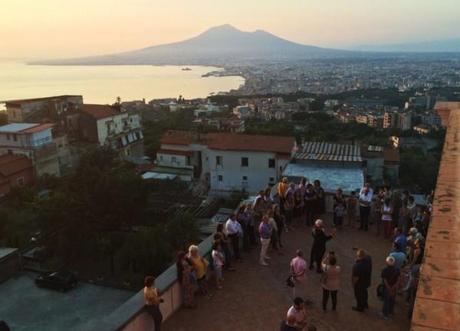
59,280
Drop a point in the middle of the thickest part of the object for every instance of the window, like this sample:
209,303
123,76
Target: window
271,163
20,181
245,178
244,162
173,159
220,178
271,180
219,160
7,136
161,157
15,137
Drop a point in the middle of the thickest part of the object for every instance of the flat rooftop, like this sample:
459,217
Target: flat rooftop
25,307
256,297
5,251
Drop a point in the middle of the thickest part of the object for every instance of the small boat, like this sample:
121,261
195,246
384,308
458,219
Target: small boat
186,69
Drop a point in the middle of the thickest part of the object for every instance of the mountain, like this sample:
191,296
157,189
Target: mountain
219,45
435,46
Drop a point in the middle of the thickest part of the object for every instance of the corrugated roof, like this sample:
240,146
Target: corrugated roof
324,151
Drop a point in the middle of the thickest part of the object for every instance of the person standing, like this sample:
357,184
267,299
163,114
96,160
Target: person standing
200,266
365,200
339,208
352,202
224,242
361,279
298,267
152,302
243,219
289,204
185,278
279,219
234,232
390,277
320,198
251,225
318,248
298,312
283,185
387,218
218,260
330,280
265,233
310,199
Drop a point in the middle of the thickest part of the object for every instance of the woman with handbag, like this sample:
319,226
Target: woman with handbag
330,280
298,268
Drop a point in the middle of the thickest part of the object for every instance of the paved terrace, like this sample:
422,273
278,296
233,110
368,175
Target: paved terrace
256,297
438,298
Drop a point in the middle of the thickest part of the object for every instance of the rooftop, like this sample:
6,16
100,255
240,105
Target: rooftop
324,151
22,101
5,251
17,127
10,164
256,297
42,309
99,111
231,141
331,177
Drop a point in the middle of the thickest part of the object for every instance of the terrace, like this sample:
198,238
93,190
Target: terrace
256,298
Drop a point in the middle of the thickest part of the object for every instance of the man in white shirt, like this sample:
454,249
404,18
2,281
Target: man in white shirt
365,199
298,312
234,232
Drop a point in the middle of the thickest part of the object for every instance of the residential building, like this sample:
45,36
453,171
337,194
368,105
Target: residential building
35,110
109,126
389,120
243,112
225,162
405,121
361,119
34,141
422,129
15,171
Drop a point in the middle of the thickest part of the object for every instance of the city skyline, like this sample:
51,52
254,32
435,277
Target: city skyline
50,28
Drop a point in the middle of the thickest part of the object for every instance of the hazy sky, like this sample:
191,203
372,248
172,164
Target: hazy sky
66,28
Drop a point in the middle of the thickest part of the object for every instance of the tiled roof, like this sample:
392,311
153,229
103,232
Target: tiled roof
324,151
11,164
231,141
244,142
99,111
38,128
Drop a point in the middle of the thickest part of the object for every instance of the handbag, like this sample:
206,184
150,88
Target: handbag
290,281
323,278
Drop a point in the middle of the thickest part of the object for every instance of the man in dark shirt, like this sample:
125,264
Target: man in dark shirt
390,277
318,248
361,279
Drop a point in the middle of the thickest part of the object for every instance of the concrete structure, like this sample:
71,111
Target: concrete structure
35,110
34,141
405,121
10,262
15,171
437,306
227,162
108,126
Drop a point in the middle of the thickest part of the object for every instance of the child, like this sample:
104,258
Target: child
218,262
352,202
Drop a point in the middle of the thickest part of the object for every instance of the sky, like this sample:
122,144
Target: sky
35,29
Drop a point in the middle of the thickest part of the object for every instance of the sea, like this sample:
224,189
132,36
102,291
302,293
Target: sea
103,84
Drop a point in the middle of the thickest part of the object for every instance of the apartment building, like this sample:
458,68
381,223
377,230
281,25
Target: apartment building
226,162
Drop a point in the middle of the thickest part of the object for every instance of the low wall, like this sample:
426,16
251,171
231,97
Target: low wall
131,315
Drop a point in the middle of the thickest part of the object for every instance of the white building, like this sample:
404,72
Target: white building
226,162
34,141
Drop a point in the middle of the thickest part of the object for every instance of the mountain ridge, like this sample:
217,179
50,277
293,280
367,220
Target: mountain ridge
217,45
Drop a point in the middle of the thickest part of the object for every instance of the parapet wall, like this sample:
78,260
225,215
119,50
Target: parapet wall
437,306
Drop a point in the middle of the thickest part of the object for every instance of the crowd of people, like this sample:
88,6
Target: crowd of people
290,205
